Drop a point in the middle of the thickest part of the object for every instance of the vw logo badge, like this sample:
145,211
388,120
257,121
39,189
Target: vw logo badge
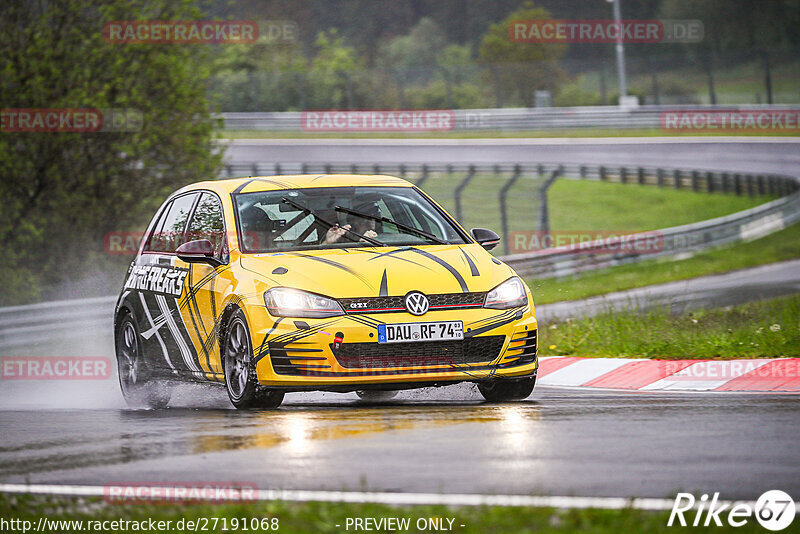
417,303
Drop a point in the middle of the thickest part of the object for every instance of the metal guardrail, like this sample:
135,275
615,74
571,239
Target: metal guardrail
687,239
25,325
510,119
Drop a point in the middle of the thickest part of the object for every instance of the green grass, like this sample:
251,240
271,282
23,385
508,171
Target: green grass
578,205
499,134
765,329
584,205
780,246
323,517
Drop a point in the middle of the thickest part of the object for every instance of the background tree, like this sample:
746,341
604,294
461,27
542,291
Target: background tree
519,69
62,192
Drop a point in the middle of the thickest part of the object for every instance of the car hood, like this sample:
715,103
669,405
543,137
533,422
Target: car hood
363,272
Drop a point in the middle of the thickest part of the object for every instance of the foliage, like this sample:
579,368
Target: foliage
518,69
64,191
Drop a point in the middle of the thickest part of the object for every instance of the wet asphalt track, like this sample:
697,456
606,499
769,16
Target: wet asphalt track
779,156
558,442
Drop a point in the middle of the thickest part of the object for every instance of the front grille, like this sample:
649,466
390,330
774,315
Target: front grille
381,355
441,301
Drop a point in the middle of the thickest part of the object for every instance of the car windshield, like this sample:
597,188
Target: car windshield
336,217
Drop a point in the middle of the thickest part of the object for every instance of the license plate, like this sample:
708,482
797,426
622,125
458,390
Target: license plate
409,332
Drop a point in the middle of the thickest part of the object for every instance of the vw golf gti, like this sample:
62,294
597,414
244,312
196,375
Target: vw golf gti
319,282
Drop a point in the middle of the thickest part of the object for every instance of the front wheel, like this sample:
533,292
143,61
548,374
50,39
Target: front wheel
503,390
137,390
240,377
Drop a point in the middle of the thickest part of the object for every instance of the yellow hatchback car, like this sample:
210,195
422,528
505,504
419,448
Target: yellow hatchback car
319,282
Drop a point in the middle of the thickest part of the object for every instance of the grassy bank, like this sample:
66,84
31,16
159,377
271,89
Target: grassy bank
324,517
780,246
578,205
766,329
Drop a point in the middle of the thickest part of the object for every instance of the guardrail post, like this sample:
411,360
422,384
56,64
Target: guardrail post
748,180
459,189
583,172
424,176
229,170
737,184
603,173
623,175
353,169
760,181
660,177
503,212
402,170
676,177
544,215
327,168
640,176
726,182
710,182
254,169
694,181
376,169
278,170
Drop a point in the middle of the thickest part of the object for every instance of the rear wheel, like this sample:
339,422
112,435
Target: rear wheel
373,395
137,390
240,377
503,390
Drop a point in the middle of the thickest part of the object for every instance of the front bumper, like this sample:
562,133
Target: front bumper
301,353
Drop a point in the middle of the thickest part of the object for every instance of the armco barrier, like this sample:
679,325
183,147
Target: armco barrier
26,325
511,119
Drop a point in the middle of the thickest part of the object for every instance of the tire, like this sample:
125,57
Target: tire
374,395
137,389
240,376
504,390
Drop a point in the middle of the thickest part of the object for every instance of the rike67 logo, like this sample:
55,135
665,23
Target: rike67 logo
774,510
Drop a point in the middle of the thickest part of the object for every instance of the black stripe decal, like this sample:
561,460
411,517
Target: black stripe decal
447,266
472,267
391,254
384,291
336,264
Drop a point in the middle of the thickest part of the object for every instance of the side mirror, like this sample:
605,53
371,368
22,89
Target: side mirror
198,251
485,238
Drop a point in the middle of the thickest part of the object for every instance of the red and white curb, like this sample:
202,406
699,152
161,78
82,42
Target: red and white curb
767,375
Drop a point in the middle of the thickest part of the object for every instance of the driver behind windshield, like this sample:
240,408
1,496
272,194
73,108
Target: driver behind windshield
362,225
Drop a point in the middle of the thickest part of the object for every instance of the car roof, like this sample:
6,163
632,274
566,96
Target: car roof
296,181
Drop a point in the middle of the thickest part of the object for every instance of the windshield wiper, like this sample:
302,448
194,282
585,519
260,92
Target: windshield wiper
400,226
330,224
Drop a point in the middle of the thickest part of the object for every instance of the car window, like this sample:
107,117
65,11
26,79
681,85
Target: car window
267,222
207,223
169,232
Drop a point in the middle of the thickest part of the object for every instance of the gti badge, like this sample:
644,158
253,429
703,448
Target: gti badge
417,303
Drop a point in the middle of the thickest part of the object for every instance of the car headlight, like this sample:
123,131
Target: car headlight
288,302
509,294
